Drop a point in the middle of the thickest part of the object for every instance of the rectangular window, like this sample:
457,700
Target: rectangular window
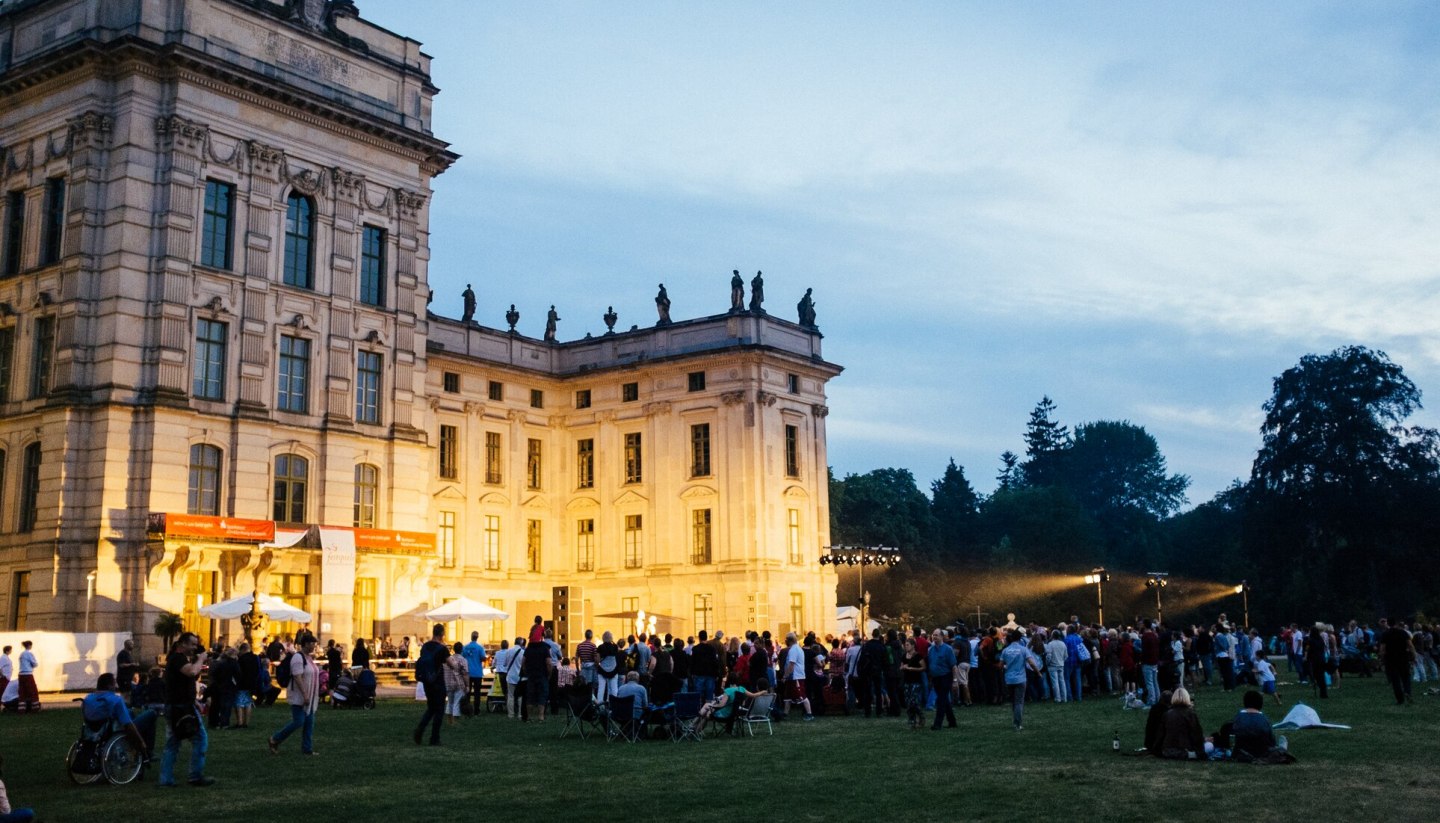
797,612
497,627
695,381
209,360
30,489
41,365
792,451
630,392
633,458
450,382
537,399
582,399
492,458
496,390
367,492
585,463
700,450
367,387
20,602
700,535
634,541
299,242
364,608
793,531
54,227
492,542
533,465
449,452
629,604
792,383
204,494
294,394
7,358
585,545
14,230
704,612
216,229
532,545
292,474
372,266
445,540
294,589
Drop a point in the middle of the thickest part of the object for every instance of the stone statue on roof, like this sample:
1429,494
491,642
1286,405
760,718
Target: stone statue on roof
662,305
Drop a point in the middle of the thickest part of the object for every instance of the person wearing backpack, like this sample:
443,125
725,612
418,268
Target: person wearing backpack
301,679
430,673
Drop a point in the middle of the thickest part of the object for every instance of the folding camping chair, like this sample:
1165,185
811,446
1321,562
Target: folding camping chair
581,716
756,713
620,720
685,714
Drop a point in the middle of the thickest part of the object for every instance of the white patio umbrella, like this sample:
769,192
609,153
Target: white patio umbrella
270,605
465,609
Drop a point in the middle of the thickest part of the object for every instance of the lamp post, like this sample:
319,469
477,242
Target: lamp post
89,596
1099,577
1157,581
861,556
1244,590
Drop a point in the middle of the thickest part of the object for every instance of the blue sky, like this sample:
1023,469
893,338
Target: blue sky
1146,211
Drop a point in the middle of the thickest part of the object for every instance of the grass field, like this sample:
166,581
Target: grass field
838,768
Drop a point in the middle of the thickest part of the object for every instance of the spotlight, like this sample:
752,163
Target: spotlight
824,559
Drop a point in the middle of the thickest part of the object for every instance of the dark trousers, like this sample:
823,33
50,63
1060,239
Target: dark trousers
892,688
941,684
434,711
477,696
874,693
991,677
1399,677
1227,673
1317,676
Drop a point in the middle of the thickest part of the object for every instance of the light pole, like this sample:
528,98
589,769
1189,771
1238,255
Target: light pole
1099,577
1244,590
1157,581
861,556
89,596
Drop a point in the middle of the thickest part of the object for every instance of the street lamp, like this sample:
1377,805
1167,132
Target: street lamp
1244,590
1098,578
89,596
861,556
1157,581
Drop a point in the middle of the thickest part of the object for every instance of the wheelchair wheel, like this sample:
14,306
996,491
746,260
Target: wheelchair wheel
370,702
121,761
75,765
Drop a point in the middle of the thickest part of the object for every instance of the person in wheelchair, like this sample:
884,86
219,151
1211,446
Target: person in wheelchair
112,744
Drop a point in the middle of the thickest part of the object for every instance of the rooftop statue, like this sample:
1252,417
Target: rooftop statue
551,320
757,293
469,297
806,308
737,292
662,305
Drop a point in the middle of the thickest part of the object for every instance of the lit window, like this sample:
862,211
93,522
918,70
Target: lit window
585,463
700,450
492,458
792,451
449,452
585,545
794,532
532,545
634,541
492,542
533,464
700,537
291,473
633,458
367,491
445,540
204,492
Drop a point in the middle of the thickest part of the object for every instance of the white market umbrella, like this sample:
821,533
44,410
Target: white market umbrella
270,605
465,609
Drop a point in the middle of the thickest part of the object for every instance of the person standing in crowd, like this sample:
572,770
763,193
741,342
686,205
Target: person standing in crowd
538,665
1150,662
704,667
29,691
1223,644
1056,652
474,654
941,665
515,704
961,644
303,695
430,672
537,631
183,666
585,653
224,686
7,673
793,676
248,663
457,682
1074,657
912,666
334,660
1018,661
1396,655
360,655
125,667
1315,651
607,667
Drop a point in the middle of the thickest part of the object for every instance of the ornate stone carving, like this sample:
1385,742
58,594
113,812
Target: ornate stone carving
305,181
733,398
90,130
820,410
516,416
409,202
657,408
764,398
347,183
474,408
176,132
607,416
265,159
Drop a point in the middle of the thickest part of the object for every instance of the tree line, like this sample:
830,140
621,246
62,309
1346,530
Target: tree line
1339,517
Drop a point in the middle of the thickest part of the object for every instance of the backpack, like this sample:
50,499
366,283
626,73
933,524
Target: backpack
425,670
282,675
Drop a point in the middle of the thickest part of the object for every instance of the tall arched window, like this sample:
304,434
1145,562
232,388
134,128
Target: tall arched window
30,489
204,480
291,473
299,241
367,491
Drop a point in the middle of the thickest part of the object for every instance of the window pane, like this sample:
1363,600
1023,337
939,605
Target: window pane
585,463
204,493
294,376
372,266
299,240
209,365
215,233
367,387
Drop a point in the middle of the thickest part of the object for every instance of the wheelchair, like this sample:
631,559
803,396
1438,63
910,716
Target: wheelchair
103,752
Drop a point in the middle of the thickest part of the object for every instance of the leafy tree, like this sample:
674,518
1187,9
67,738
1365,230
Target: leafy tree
1046,442
954,505
883,507
1117,466
1040,528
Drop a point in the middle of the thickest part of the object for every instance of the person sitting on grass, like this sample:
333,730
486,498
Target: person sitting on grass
1182,738
1253,735
7,814
1155,724
723,707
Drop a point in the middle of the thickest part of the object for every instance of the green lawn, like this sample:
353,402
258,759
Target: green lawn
838,768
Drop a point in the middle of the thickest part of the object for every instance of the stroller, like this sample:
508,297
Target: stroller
359,692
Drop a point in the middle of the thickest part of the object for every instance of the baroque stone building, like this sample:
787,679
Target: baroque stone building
218,373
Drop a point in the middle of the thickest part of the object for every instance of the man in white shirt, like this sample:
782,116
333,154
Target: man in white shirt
794,675
29,692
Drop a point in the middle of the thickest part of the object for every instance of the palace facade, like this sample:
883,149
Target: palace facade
219,374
